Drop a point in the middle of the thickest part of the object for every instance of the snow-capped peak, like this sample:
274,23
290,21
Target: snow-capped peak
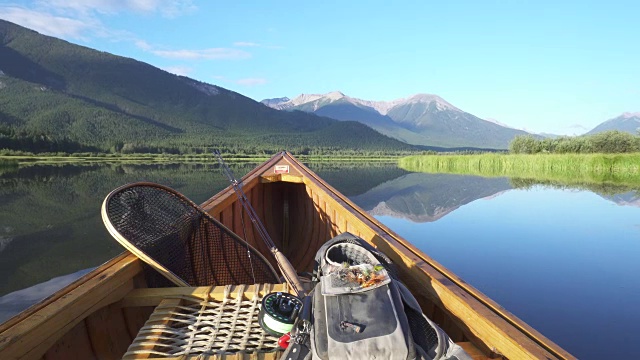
275,102
629,115
382,107
335,95
307,98
441,104
625,116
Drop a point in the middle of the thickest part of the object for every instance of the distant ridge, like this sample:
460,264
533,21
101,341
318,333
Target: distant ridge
381,107
420,119
274,103
627,122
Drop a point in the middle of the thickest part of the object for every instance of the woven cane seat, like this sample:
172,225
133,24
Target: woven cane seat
220,323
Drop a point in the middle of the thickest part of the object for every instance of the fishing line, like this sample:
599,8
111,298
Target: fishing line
244,233
283,263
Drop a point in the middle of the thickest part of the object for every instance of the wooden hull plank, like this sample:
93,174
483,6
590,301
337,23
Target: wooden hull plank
108,332
75,344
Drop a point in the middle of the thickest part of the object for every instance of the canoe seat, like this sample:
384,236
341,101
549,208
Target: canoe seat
178,239
217,322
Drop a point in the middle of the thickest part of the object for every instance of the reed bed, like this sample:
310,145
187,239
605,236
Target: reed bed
8,163
7,166
621,168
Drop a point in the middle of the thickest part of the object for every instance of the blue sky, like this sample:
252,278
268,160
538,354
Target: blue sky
558,66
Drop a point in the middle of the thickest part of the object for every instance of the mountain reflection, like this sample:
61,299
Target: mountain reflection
50,222
623,194
421,197
631,198
424,197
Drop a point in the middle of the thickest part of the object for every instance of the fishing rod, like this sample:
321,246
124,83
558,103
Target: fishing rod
285,266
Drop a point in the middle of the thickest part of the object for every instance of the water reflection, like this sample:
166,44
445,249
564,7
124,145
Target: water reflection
562,260
49,215
619,193
631,198
50,223
427,197
422,197
561,256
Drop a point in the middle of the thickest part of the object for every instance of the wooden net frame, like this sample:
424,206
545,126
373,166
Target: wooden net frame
181,241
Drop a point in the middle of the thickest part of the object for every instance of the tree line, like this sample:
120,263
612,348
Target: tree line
608,142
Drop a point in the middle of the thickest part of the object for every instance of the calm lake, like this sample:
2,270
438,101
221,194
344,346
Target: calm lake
563,259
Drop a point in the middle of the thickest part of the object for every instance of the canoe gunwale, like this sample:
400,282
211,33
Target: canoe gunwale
62,292
33,332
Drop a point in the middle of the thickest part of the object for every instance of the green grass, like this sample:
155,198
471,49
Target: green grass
566,168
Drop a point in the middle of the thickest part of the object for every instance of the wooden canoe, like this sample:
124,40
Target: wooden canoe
98,316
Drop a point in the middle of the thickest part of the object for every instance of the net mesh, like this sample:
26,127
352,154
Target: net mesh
174,232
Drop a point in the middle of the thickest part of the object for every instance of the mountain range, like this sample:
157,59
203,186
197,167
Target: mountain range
57,96
627,122
421,119
426,119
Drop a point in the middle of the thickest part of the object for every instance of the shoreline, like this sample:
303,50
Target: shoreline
9,160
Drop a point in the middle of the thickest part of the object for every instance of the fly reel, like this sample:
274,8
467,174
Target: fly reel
278,313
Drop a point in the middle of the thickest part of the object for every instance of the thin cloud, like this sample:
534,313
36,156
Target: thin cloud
143,45
168,8
79,20
204,54
577,127
189,54
49,24
76,27
253,44
246,44
251,81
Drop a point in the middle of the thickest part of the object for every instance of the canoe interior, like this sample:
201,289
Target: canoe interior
300,220
95,318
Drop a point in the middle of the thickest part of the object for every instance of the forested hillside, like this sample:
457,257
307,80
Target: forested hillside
57,96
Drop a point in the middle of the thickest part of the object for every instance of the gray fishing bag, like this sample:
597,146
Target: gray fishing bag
361,311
